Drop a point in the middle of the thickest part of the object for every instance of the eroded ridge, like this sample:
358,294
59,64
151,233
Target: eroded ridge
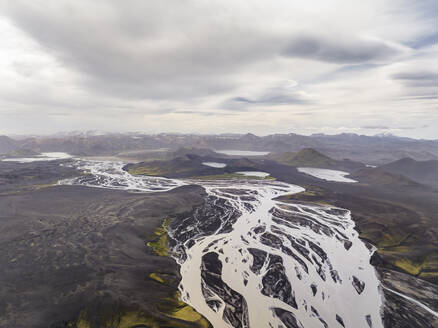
265,263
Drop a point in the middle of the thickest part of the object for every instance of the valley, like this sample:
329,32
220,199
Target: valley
273,239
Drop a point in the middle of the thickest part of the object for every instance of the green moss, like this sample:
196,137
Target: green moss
160,169
156,277
163,278
175,308
231,176
83,320
305,157
160,244
310,194
146,170
176,316
392,238
171,312
410,266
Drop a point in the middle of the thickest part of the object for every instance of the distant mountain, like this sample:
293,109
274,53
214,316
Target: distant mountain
312,158
7,145
425,172
375,150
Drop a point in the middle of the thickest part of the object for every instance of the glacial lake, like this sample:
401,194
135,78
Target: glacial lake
326,174
50,156
215,164
242,152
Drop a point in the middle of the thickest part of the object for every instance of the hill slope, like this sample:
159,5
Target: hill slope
7,145
378,177
309,157
425,172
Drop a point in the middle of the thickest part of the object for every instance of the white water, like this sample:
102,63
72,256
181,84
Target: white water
326,174
215,164
323,226
107,174
43,157
331,298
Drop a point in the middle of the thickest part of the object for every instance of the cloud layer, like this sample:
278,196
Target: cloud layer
259,66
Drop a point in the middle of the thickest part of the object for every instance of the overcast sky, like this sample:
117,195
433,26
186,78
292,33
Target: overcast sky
208,66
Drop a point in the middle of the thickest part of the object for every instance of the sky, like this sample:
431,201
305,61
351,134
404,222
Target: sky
227,66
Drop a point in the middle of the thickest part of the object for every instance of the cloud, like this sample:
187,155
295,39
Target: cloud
375,127
341,49
268,93
143,50
173,65
383,127
278,99
417,78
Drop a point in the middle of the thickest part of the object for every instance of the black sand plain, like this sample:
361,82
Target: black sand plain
69,249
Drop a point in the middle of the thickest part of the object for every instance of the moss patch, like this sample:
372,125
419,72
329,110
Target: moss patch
160,168
175,308
177,315
146,170
163,278
169,312
310,194
160,244
231,176
156,277
305,157
410,266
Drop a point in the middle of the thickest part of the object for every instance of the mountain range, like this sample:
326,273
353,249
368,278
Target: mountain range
375,150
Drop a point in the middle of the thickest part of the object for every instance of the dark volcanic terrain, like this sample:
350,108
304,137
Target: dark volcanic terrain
74,256
77,255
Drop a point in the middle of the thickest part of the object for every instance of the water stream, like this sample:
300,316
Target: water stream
249,260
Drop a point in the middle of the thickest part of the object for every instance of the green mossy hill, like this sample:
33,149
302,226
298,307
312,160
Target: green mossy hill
405,238
189,166
150,155
305,157
231,176
309,157
183,166
159,168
